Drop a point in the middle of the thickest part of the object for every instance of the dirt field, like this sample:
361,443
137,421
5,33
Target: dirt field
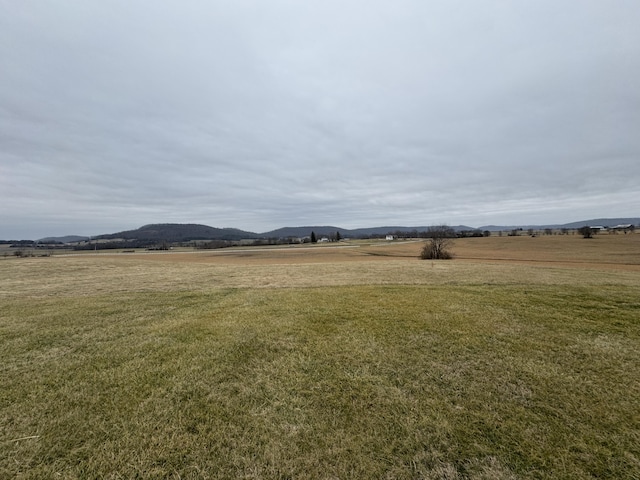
560,260
603,251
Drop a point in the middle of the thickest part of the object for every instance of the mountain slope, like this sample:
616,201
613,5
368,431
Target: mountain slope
321,230
603,222
179,232
303,231
65,239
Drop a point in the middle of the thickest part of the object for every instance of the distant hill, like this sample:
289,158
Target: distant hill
179,232
603,222
323,230
65,239
300,232
184,232
392,229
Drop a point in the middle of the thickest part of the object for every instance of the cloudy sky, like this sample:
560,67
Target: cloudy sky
261,114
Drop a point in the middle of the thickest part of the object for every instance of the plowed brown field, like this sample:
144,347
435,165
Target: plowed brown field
607,251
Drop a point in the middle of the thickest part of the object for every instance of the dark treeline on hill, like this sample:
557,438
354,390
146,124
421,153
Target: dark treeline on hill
377,232
114,244
374,232
65,239
176,232
155,234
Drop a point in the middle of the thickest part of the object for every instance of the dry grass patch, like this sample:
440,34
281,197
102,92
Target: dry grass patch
375,367
604,249
376,381
102,274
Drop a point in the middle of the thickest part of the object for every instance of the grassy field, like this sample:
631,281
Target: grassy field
518,359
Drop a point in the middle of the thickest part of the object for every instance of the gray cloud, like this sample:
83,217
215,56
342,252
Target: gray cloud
258,115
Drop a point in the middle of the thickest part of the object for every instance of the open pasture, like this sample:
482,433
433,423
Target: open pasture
518,359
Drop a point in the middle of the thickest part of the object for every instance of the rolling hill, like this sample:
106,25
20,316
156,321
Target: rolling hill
179,232
184,232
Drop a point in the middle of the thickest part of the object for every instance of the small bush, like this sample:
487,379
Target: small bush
433,251
586,232
439,243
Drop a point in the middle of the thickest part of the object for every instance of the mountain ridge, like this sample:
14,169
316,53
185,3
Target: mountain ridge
179,232
603,222
183,232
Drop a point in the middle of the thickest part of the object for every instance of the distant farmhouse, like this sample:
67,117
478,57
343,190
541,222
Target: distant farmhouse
617,228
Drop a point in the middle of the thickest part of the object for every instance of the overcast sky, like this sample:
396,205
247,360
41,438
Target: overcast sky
260,114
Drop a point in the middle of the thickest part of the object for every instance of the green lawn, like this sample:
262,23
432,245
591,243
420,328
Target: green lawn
362,381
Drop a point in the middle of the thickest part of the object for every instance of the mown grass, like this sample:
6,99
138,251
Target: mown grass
464,380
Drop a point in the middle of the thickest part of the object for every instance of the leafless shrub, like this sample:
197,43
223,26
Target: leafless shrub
439,243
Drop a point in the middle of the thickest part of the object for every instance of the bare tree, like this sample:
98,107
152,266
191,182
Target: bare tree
439,243
586,232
